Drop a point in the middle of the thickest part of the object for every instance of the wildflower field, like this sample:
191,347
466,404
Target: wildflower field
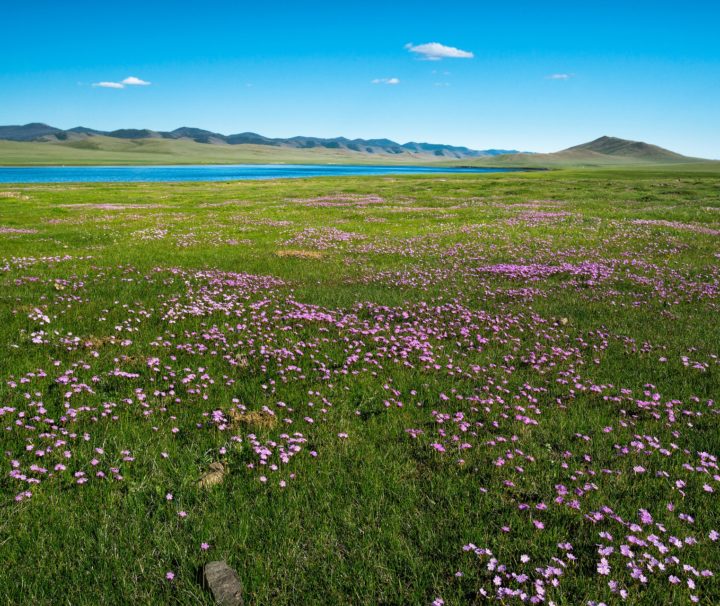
497,388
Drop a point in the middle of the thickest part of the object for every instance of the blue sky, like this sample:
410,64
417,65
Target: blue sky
639,70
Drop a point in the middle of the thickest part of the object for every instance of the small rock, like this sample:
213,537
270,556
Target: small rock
214,475
224,584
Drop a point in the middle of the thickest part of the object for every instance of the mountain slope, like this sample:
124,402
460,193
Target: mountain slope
40,144
605,151
613,146
381,147
102,150
28,132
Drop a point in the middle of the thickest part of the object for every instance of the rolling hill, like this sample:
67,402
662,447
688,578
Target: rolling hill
41,144
604,151
103,150
87,138
612,146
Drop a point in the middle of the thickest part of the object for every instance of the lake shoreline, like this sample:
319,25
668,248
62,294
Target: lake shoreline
173,173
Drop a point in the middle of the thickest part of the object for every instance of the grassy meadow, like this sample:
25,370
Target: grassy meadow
112,151
446,389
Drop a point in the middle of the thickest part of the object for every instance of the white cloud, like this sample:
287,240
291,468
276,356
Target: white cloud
560,76
129,81
386,81
133,81
434,51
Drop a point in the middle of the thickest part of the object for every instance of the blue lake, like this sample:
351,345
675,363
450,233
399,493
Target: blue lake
120,174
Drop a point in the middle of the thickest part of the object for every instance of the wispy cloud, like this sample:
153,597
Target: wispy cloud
434,51
133,81
129,81
560,76
386,81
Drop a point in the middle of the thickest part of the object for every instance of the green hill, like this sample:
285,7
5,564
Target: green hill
612,146
202,146
605,151
103,150
40,144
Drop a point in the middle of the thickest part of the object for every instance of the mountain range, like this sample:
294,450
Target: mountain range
40,132
40,144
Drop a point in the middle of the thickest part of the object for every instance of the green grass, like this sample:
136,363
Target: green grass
101,150
393,300
586,159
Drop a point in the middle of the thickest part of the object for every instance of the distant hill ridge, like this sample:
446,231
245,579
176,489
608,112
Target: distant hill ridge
613,146
37,143
39,132
604,151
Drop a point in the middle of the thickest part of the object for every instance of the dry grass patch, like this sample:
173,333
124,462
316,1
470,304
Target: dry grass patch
13,194
93,342
214,475
300,254
255,418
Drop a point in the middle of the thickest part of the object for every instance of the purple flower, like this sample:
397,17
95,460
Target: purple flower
645,516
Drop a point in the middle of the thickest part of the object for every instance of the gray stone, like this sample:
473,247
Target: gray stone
224,584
